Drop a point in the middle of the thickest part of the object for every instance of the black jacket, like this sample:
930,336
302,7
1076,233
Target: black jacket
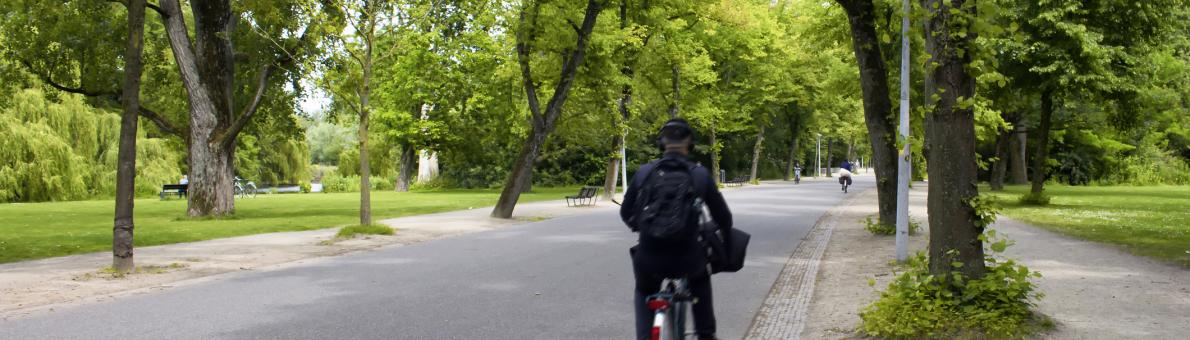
686,257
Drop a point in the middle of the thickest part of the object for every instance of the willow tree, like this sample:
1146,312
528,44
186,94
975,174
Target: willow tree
529,43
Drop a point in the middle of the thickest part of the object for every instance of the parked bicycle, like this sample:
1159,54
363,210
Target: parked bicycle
671,308
245,188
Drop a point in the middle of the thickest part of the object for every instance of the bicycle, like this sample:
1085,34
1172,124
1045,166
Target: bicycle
671,307
845,182
797,175
244,188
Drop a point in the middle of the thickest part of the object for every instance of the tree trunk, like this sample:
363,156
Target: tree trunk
756,150
873,74
789,168
122,232
207,70
427,166
676,82
830,159
954,231
714,156
1041,156
405,170
613,167
520,175
542,122
1018,158
365,167
1000,167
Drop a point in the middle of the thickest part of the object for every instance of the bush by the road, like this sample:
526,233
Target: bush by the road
920,305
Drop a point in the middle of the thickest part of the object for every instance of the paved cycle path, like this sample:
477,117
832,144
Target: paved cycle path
565,278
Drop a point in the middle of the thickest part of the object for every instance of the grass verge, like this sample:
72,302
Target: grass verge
1151,221
39,230
371,229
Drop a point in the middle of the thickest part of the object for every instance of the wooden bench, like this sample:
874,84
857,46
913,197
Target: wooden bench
173,189
585,196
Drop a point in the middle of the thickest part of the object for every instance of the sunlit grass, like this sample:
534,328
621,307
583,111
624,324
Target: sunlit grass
39,230
1151,221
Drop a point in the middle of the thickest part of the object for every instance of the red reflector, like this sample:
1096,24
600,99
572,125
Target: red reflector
656,333
658,304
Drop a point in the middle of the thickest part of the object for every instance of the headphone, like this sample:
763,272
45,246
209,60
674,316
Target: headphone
675,123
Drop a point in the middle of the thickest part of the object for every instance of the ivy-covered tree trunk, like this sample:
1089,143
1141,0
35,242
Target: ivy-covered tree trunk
542,121
756,150
954,230
1041,155
122,232
873,74
1000,167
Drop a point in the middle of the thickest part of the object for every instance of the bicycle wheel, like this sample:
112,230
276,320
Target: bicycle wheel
250,190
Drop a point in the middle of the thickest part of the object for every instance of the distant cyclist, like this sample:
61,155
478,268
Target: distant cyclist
845,174
663,204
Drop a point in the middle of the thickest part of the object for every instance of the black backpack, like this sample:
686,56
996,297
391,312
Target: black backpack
668,205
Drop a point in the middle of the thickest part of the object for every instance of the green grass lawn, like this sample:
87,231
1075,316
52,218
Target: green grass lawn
39,230
1150,221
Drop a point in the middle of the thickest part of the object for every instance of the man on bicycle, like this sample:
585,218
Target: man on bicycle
681,255
845,174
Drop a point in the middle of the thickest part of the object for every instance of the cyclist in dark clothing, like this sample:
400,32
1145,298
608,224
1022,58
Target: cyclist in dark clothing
651,262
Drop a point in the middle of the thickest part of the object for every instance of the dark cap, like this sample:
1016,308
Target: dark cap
674,131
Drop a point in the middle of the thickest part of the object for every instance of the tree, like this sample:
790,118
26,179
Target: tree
1062,51
122,232
541,121
955,226
363,18
873,71
205,68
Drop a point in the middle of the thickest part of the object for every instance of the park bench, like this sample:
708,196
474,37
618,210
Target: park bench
585,196
173,189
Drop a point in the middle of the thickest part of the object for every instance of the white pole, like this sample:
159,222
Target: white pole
818,157
903,167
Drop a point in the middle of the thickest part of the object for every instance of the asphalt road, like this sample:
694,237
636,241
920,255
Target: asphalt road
565,278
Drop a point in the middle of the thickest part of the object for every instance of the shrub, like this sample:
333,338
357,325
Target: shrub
877,228
1034,199
918,304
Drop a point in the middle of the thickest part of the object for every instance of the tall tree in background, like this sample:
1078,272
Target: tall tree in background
873,73
954,227
122,232
541,121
